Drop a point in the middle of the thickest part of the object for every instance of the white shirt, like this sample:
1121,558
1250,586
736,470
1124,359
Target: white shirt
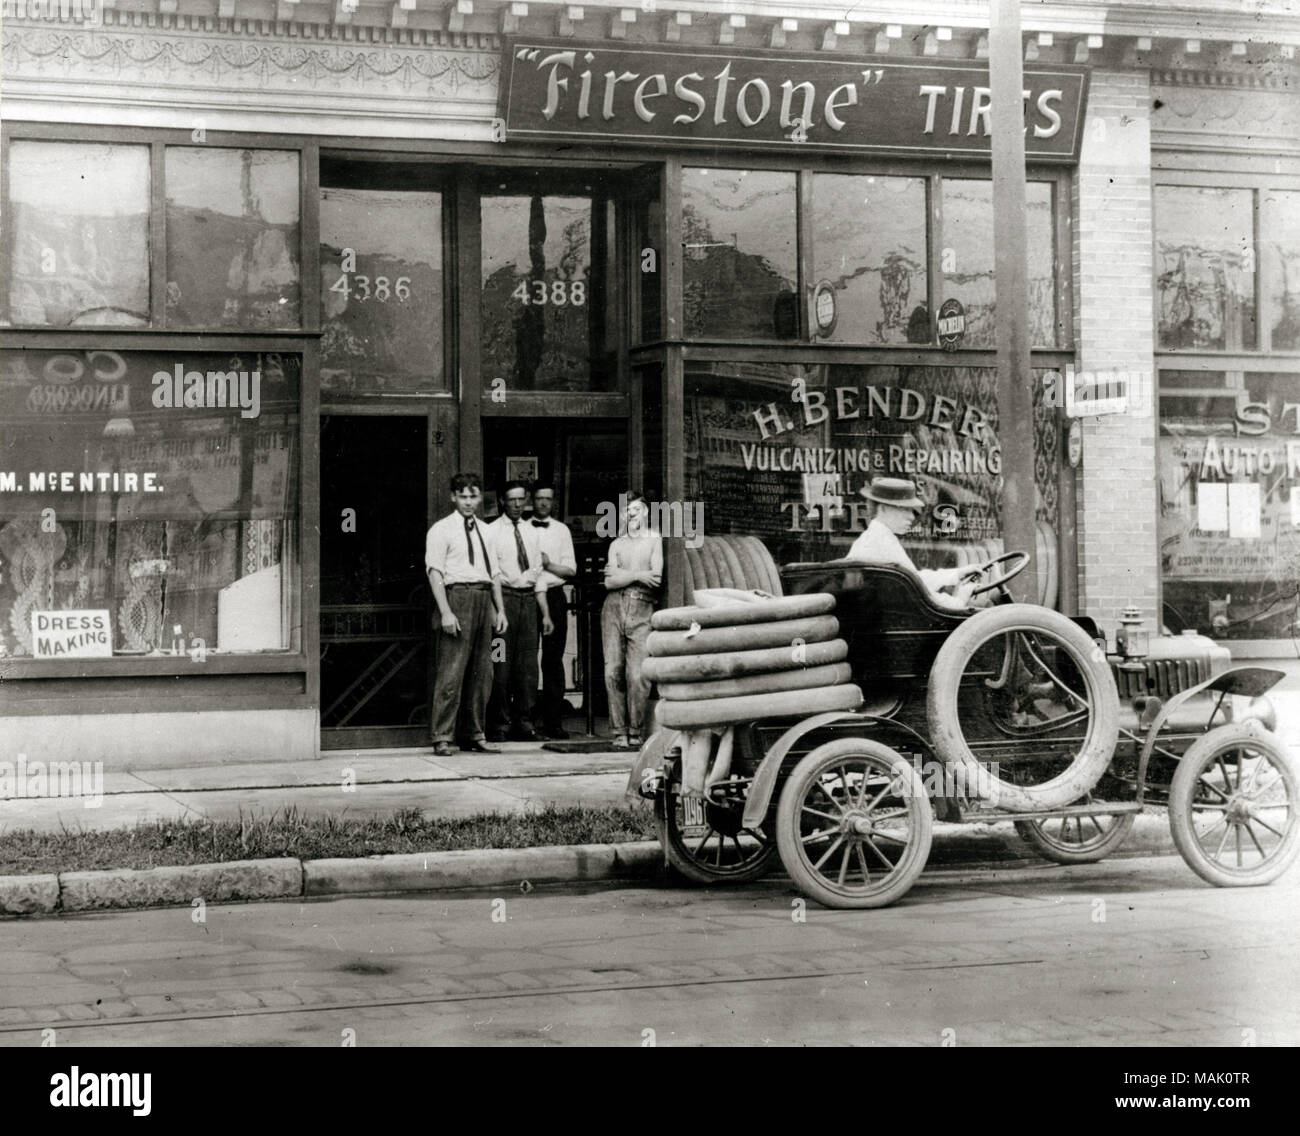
446,551
501,540
557,542
880,545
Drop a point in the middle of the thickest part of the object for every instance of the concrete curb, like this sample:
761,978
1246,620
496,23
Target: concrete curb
964,846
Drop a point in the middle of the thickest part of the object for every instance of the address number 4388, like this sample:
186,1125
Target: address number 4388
558,292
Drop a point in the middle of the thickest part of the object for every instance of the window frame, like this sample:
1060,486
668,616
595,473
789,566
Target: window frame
1059,177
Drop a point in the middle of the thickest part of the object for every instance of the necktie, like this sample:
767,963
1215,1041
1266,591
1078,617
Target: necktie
520,551
540,524
469,541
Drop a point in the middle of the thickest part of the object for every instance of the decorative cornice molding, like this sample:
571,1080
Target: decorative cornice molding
176,65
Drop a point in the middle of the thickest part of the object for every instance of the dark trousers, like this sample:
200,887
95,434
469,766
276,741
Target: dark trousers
553,680
464,667
514,685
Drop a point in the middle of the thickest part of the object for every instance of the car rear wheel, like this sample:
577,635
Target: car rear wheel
1077,839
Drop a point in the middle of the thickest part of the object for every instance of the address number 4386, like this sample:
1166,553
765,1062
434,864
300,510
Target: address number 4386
382,289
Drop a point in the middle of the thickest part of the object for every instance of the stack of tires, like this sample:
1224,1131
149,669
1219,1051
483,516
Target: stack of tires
739,662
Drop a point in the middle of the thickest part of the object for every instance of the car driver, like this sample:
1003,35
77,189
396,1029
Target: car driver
897,507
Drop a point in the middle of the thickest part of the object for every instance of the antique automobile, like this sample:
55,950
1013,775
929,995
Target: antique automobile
833,725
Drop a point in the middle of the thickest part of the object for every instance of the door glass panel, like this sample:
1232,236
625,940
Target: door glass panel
381,291
232,238
1205,267
80,218
374,595
869,244
538,309
740,236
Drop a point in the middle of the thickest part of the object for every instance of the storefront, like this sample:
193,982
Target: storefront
269,285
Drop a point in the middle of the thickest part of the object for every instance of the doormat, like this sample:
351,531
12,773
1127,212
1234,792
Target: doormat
593,745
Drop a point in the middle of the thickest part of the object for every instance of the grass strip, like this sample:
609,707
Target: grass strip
170,843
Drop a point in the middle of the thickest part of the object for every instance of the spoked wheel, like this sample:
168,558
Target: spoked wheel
1077,839
1023,704
707,841
854,825
1233,806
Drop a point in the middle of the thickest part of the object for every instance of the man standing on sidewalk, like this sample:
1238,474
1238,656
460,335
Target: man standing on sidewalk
558,567
632,578
467,589
514,690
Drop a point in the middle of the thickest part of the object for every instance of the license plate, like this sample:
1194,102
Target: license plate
692,812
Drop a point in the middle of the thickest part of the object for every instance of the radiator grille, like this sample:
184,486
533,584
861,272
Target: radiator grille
1163,677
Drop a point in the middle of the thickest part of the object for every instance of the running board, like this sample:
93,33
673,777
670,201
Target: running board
1101,809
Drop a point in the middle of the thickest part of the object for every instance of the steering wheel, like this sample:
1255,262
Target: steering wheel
997,580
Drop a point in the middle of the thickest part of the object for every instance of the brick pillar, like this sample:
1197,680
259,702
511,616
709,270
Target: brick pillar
1118,553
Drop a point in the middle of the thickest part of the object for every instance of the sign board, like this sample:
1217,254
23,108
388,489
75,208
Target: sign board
951,324
72,634
713,97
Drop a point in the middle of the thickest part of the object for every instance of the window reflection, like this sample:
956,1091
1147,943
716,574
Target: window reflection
79,212
967,258
739,229
232,238
171,512
869,243
1281,230
1229,503
381,291
1205,267
537,300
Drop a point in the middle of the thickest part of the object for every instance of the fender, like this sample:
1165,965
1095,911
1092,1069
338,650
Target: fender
1249,682
760,792
651,755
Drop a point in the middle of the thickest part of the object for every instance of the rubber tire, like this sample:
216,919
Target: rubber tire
695,567
702,668
738,614
767,568
754,707
735,570
1183,787
746,562
941,704
831,675
1032,833
748,637
787,825
682,863
714,571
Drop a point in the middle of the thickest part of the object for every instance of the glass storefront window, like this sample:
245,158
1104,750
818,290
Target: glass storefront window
79,213
791,472
1205,268
740,255
967,259
381,291
152,495
232,238
539,313
1280,228
1230,503
868,236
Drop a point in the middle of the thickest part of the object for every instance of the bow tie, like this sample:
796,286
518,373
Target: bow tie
540,524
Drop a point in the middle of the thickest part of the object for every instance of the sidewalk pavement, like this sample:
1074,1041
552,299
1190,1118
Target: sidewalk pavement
522,777
345,783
